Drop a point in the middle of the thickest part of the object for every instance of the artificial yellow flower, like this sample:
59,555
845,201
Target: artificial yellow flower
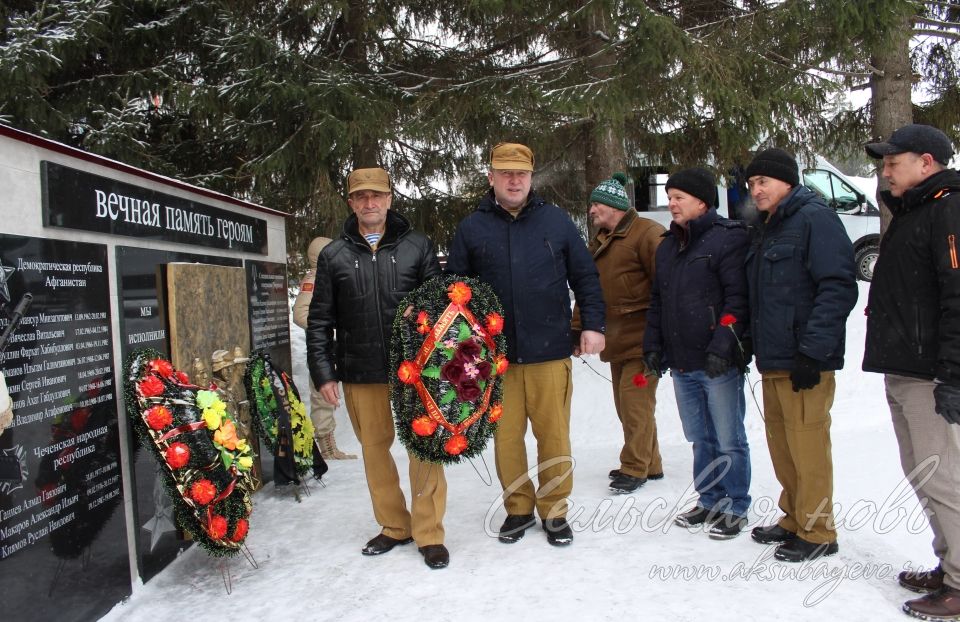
212,418
245,462
241,444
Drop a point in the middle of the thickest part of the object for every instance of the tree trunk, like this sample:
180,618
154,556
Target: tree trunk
890,92
365,145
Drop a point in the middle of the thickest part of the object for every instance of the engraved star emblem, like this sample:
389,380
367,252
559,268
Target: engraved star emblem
5,274
162,520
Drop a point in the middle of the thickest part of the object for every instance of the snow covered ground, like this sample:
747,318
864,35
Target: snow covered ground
628,560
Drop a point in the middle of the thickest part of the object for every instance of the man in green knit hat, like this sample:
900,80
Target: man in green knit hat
624,249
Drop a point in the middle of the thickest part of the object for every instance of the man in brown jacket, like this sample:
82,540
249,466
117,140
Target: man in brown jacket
321,413
624,250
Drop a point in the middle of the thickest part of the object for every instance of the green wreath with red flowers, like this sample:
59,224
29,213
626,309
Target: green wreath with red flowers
204,464
449,356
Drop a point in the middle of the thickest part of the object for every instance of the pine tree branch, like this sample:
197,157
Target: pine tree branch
943,34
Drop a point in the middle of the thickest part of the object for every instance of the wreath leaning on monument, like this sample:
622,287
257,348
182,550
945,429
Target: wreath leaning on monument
282,421
448,356
205,466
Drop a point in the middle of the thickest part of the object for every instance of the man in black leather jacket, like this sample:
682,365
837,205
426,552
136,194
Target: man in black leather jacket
913,338
361,277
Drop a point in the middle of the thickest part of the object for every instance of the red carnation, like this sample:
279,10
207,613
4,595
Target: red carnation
78,419
158,417
217,527
203,491
639,381
162,367
178,455
423,323
727,319
182,377
455,444
496,411
494,324
459,293
423,426
501,364
408,372
151,386
240,530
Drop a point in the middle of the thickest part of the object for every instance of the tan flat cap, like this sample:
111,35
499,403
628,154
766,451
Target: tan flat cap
511,156
368,179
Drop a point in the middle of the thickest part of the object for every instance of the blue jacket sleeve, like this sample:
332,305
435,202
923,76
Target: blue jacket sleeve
652,335
830,263
732,276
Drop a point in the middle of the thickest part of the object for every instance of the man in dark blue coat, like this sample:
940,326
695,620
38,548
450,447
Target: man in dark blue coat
800,269
529,250
698,311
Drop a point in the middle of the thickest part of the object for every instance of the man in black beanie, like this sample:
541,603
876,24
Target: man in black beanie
800,269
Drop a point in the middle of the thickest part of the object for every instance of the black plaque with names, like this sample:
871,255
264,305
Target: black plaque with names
63,543
270,311
79,200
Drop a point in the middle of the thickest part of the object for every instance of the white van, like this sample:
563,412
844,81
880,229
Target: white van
857,211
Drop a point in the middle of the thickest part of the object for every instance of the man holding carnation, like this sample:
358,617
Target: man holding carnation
361,277
698,310
624,250
528,250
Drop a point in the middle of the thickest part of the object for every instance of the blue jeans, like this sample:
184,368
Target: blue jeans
712,412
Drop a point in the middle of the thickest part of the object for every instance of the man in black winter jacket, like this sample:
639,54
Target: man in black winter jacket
800,271
913,338
361,278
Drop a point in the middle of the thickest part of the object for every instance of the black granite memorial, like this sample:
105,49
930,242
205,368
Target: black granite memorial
63,542
269,311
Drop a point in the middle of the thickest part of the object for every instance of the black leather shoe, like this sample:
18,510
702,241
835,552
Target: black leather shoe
558,531
799,550
382,543
695,517
625,484
727,527
435,555
920,581
614,474
514,527
772,534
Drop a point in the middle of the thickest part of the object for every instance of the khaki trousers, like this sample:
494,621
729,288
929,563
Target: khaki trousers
540,393
798,435
635,406
321,413
369,408
921,434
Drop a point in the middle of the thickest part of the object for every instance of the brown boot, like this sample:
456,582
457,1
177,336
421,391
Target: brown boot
922,581
328,448
944,604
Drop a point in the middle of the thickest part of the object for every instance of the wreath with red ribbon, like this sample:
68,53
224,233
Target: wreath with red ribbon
449,356
204,465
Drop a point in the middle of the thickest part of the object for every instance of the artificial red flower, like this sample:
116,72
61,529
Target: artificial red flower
496,411
408,372
158,417
151,386
494,324
453,372
483,368
162,367
182,377
423,426
240,530
459,293
639,381
468,350
423,323
468,391
727,319
501,364
178,455
203,491
455,444
217,527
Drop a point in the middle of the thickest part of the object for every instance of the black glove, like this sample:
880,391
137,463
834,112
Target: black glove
806,372
653,361
715,366
947,397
